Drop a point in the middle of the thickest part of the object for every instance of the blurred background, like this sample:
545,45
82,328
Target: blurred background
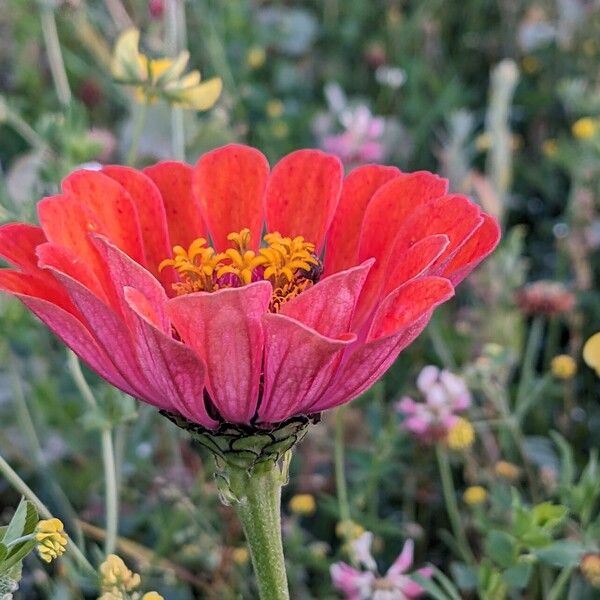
501,97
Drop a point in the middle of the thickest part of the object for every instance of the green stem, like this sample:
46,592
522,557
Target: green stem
257,503
13,478
138,127
340,477
556,591
532,347
451,505
55,59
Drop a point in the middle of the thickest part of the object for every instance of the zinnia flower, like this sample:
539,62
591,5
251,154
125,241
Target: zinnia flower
368,584
228,330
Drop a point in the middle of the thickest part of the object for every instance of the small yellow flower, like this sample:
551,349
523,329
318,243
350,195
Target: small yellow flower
303,504
349,530
240,555
507,470
51,539
115,576
161,77
280,129
531,65
256,57
550,147
563,367
461,435
591,352
585,128
152,596
590,568
275,108
475,494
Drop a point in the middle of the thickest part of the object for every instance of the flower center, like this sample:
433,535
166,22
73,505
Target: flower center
289,264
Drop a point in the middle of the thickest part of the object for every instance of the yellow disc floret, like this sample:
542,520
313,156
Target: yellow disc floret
303,504
474,495
51,539
289,264
461,435
563,367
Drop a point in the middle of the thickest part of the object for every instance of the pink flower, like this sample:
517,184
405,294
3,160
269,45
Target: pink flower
233,331
445,395
367,584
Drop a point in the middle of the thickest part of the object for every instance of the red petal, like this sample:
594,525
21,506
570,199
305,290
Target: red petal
151,213
225,329
328,306
415,261
477,247
401,318
111,205
299,365
18,242
67,327
184,218
230,184
358,189
173,369
302,194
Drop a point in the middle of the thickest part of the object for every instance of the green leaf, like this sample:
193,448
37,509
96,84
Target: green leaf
3,553
430,587
548,516
567,464
16,527
561,554
17,554
501,547
465,576
518,577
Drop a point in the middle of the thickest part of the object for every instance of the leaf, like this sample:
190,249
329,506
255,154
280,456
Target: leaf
17,554
518,576
561,554
16,527
465,576
430,587
501,547
548,516
567,464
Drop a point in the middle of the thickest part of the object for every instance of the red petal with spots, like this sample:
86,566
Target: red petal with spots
151,214
482,243
230,184
225,329
184,218
302,194
172,368
112,206
299,365
18,242
343,236
401,317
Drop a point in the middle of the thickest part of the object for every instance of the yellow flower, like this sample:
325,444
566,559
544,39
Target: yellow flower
507,470
275,108
563,367
240,555
461,435
115,576
155,78
475,494
585,128
303,504
51,539
256,57
152,596
591,352
349,530
590,567
550,147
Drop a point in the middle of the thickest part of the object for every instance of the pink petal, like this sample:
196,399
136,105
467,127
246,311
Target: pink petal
299,364
404,560
328,306
358,189
225,329
182,209
151,213
18,242
229,183
412,589
172,368
302,194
